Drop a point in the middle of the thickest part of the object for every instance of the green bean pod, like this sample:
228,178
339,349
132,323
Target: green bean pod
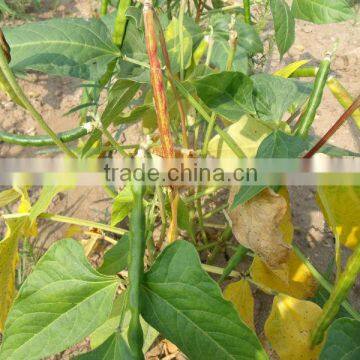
120,22
337,296
234,261
42,140
136,269
104,7
201,50
305,72
315,98
247,12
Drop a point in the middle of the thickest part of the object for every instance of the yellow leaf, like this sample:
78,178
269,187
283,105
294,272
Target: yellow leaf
293,277
341,208
289,326
25,207
239,293
248,133
8,196
8,260
286,71
256,225
300,283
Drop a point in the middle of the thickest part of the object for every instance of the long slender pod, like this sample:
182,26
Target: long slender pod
247,12
42,140
120,22
136,269
337,296
104,7
315,98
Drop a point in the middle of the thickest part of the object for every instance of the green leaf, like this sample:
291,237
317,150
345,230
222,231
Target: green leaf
227,93
343,341
184,304
284,23
115,259
322,11
111,326
4,8
61,302
133,115
248,38
183,219
66,47
114,348
274,95
122,205
172,36
281,145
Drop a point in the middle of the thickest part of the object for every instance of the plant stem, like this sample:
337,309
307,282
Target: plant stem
234,261
210,48
323,282
104,7
211,213
162,216
219,271
9,76
223,134
334,128
337,296
181,38
343,97
120,22
113,142
315,99
198,195
247,15
232,44
71,220
157,82
199,10
337,257
170,77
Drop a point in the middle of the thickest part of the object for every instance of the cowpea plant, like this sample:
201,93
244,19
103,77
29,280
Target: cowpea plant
189,73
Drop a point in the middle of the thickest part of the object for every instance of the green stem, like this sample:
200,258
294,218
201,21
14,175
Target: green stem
323,282
219,271
225,236
199,195
234,261
247,14
209,130
136,269
337,296
9,76
72,221
223,134
120,22
315,99
104,7
181,38
114,143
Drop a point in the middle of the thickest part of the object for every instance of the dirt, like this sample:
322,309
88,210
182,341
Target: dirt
53,97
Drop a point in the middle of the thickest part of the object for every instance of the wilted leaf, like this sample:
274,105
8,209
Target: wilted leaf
293,277
239,293
247,132
256,225
342,341
8,260
286,71
289,327
341,208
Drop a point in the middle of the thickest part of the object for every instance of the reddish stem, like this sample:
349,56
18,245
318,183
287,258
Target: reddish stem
334,128
199,10
157,82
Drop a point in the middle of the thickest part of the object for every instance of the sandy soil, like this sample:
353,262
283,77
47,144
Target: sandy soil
53,97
